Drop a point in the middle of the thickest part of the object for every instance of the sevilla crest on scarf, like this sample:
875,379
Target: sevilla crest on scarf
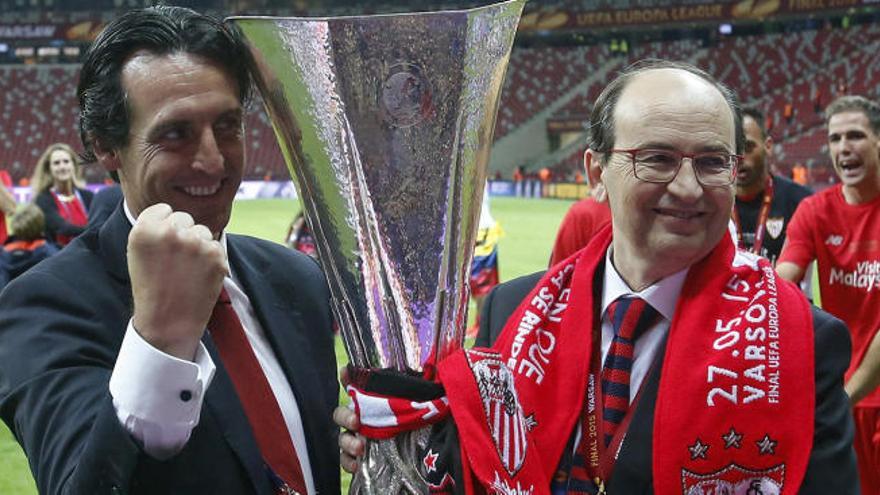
501,487
504,414
734,480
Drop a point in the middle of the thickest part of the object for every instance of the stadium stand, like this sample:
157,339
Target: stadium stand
537,77
38,109
769,71
795,71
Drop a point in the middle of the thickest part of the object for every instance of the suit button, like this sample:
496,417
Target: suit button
185,395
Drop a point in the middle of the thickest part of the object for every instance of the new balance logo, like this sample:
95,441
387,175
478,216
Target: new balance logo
834,240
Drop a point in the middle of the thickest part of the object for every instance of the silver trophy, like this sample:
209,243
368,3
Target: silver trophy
386,124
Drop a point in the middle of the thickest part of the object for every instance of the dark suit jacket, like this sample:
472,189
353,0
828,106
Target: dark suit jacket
61,326
832,466
103,204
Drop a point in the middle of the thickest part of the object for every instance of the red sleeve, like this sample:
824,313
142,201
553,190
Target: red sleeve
581,222
799,247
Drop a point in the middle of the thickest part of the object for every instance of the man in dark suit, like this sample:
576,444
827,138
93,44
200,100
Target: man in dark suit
831,460
103,204
660,230
660,359
158,354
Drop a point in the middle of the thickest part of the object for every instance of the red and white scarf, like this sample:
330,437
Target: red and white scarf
735,405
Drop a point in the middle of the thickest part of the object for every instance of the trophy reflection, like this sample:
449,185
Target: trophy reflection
386,123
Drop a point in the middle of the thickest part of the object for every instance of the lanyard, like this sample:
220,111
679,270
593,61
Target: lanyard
760,227
599,460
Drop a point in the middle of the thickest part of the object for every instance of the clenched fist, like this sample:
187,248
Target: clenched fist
177,271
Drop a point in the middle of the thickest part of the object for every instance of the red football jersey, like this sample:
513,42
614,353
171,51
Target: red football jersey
845,240
583,220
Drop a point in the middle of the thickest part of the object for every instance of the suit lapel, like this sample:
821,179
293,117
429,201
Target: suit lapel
224,405
113,244
274,303
222,398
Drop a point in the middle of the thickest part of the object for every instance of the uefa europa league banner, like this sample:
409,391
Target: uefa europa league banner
386,123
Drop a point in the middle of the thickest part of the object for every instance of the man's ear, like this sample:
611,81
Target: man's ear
593,167
108,157
768,146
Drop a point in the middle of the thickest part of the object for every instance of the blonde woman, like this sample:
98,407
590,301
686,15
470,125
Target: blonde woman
59,191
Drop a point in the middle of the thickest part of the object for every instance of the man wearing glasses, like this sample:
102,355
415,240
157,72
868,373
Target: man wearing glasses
658,359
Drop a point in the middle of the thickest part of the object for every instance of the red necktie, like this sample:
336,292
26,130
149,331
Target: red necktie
630,317
255,394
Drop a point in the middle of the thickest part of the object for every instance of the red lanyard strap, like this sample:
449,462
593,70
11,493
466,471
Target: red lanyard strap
599,459
760,227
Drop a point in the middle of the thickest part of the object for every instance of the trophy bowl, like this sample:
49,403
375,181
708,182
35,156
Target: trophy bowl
386,125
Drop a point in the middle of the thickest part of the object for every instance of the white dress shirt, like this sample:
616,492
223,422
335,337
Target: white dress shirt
662,296
149,386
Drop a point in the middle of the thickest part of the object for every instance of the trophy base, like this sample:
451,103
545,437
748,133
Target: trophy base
392,466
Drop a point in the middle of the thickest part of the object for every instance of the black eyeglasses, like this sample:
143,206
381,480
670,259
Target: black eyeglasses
712,168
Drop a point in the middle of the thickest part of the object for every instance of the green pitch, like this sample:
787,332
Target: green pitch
529,228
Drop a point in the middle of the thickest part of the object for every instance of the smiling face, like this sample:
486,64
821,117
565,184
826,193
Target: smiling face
660,229
855,151
186,145
61,168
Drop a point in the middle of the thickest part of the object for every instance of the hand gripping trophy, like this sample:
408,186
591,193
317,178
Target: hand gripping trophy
386,124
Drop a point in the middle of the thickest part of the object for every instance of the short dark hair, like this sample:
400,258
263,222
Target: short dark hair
161,30
601,131
855,103
758,117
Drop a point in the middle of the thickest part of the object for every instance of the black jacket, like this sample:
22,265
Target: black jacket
832,465
58,346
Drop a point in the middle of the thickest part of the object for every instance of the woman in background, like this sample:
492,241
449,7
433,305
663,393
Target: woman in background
58,189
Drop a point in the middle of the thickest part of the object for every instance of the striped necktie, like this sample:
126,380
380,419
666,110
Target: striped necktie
630,317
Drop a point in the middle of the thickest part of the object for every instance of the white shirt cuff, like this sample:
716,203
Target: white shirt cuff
158,397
